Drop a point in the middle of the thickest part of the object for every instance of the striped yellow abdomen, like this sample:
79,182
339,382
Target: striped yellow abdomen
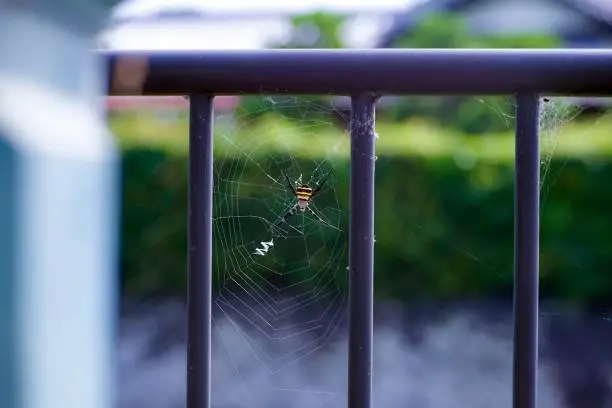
303,193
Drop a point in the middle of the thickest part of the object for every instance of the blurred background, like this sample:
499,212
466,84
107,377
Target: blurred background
444,214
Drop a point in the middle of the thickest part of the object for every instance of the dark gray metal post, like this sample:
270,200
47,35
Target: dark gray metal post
200,251
361,251
526,249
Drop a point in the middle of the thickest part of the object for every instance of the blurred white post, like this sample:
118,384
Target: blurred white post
58,212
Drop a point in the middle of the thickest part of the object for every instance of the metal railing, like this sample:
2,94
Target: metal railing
364,75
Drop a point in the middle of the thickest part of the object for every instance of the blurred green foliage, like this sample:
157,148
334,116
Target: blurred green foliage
444,229
314,30
466,114
447,30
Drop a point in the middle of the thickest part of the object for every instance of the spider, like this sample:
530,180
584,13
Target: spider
304,193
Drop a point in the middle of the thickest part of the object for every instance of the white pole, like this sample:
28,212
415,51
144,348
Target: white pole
58,214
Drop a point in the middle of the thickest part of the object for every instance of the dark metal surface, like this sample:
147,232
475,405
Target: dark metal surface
348,72
361,252
200,251
526,250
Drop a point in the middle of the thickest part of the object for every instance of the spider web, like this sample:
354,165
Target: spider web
564,137
281,285
470,155
555,113
560,142
281,291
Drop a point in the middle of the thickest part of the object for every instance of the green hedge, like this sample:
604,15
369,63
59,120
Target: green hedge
443,230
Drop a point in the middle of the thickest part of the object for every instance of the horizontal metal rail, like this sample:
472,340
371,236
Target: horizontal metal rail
350,72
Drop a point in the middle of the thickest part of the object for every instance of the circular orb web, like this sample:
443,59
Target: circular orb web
279,294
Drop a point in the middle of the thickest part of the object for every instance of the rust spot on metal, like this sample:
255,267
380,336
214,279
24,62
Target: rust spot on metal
129,75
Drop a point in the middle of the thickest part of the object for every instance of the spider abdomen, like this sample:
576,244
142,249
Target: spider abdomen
303,193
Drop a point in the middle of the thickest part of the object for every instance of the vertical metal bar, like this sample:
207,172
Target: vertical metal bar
526,249
200,251
361,251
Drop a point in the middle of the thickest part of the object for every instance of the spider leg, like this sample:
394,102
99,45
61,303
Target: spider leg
290,213
289,182
320,186
321,220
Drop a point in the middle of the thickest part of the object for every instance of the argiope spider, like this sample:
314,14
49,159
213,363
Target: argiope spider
304,193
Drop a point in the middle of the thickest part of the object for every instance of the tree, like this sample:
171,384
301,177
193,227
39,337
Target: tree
315,30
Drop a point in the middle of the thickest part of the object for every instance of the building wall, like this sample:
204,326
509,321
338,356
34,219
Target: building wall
532,16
